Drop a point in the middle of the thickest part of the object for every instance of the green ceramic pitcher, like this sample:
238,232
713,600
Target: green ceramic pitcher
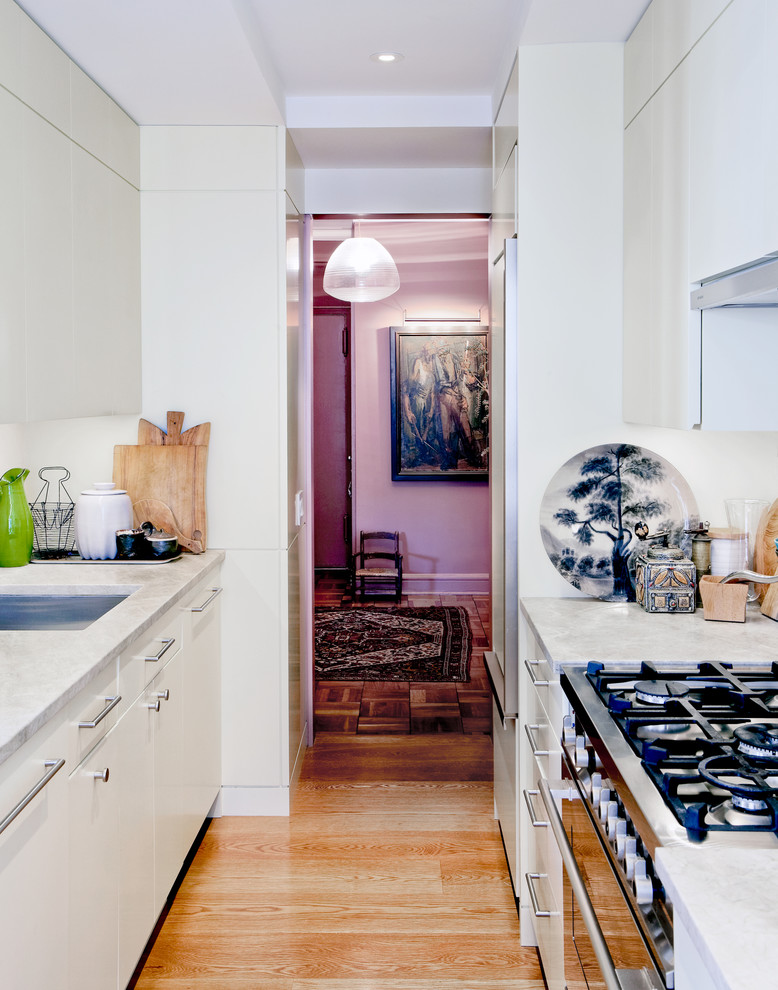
16,529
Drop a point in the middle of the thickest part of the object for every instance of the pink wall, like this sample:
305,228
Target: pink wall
444,526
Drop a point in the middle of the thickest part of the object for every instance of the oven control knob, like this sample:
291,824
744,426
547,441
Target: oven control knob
630,859
644,888
596,789
581,753
568,732
605,796
621,838
611,817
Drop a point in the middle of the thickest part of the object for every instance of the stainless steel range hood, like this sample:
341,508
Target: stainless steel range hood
755,285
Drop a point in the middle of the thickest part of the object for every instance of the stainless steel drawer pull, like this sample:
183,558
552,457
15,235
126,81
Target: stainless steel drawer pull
579,890
102,774
54,766
529,729
153,705
112,703
166,644
163,695
531,878
530,665
207,602
535,822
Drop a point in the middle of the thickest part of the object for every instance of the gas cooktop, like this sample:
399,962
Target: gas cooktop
705,736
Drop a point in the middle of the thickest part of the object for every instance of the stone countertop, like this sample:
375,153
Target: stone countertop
720,896
727,901
576,630
40,672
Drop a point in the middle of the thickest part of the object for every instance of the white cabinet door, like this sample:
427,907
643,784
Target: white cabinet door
136,834
34,865
94,866
732,131
202,709
661,370
170,844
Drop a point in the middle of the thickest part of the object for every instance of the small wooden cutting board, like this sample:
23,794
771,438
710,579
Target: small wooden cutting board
171,471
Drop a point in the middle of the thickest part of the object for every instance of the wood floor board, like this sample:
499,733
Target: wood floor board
327,917
348,955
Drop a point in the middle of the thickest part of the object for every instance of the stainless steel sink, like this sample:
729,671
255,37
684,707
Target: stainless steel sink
52,611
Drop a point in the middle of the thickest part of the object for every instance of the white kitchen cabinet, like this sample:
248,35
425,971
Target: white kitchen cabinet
34,863
699,198
93,801
733,191
137,915
202,706
661,356
70,238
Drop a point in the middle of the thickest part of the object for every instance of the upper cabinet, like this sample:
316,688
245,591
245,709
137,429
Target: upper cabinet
701,93
70,237
733,209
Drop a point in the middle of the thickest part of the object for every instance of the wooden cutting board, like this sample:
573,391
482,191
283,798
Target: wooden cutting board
765,558
170,471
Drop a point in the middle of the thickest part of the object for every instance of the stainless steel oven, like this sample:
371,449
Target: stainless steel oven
590,927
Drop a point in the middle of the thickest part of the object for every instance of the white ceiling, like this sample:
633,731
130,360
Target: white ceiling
307,63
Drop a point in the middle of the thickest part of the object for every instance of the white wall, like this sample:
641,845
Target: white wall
213,270
398,190
570,302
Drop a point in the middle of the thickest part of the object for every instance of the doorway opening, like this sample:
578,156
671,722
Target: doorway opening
444,525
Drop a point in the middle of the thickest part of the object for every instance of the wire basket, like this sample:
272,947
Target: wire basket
54,534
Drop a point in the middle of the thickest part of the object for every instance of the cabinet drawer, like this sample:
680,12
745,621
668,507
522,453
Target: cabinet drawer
92,714
542,739
549,929
141,663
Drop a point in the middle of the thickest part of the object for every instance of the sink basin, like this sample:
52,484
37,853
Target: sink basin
47,611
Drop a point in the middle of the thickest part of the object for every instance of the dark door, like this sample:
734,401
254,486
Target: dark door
331,439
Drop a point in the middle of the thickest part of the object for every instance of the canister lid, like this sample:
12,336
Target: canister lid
104,488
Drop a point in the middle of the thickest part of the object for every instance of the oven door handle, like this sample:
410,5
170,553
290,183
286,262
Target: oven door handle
604,958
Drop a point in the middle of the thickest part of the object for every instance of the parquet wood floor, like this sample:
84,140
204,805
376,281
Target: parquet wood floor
388,875
384,707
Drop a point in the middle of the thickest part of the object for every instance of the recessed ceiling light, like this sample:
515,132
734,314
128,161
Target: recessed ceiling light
387,57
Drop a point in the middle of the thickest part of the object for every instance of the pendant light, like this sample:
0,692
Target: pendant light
361,270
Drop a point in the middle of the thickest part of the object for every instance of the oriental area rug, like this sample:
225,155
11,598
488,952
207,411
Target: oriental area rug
392,644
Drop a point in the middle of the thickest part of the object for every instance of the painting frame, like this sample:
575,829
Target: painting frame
440,402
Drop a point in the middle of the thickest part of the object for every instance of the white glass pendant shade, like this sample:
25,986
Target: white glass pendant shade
361,270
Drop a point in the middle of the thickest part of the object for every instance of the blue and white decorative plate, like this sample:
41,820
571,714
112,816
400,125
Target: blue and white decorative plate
599,505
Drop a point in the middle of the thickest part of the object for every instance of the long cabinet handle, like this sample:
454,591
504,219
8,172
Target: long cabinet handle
166,644
112,703
214,593
529,729
54,766
533,896
534,821
578,887
536,682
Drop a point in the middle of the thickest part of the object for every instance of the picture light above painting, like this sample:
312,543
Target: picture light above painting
440,402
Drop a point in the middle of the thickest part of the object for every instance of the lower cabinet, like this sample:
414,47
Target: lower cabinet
34,863
93,803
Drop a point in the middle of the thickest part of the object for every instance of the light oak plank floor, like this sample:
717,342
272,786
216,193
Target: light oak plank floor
389,875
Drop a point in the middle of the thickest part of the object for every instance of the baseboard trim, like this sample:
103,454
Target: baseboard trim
254,801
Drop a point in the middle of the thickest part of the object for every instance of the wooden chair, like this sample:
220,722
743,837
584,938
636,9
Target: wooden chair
377,567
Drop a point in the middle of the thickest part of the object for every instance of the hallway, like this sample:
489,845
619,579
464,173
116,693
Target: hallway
389,875
382,707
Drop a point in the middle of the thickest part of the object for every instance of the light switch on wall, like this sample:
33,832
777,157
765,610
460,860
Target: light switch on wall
299,512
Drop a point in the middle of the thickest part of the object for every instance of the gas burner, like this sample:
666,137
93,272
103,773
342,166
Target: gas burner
758,740
660,692
730,815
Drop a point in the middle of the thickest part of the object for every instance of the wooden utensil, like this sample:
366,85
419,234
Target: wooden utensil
170,469
161,517
148,433
765,558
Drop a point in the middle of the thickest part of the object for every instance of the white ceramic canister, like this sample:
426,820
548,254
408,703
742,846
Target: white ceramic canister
100,511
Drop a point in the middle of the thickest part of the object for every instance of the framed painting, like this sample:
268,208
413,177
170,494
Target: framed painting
440,403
